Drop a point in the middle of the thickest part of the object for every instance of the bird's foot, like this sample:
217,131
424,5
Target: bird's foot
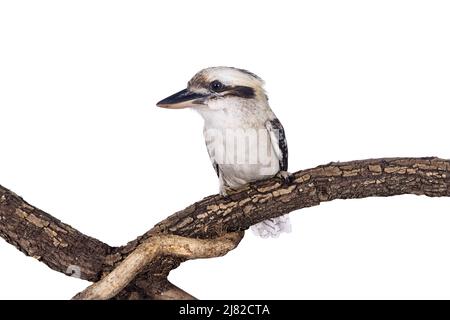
287,177
226,192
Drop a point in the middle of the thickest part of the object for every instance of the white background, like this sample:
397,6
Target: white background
81,138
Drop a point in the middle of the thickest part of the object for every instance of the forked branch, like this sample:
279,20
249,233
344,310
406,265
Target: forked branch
151,248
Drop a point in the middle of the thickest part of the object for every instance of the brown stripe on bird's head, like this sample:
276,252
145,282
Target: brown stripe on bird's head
240,91
235,91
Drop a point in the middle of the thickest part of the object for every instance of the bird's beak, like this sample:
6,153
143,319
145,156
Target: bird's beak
183,99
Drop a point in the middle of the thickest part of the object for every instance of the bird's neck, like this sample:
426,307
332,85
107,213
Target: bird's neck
244,115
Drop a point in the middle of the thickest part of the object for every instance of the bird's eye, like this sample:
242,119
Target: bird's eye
216,86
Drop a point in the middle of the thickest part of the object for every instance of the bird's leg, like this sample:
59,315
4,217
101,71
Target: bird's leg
285,176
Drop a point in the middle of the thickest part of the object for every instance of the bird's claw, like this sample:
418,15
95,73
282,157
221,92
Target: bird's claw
226,192
286,177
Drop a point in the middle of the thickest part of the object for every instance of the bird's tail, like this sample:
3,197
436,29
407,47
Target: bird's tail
272,227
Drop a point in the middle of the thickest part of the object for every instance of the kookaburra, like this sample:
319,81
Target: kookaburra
244,138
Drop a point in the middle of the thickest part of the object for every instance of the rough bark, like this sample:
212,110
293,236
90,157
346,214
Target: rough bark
65,249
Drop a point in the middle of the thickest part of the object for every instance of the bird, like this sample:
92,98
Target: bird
245,140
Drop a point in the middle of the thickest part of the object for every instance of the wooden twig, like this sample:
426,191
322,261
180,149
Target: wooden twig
152,247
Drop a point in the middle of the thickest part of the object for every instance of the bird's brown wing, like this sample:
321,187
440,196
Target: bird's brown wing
279,142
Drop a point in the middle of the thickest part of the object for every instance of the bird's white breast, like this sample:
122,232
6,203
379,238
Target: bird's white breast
240,144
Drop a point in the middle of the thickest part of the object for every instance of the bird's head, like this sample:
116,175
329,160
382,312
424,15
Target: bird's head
217,87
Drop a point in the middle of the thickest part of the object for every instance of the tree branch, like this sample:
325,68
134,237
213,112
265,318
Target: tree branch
150,249
65,249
